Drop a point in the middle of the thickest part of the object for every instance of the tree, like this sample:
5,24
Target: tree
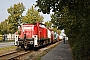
60,19
4,27
48,24
15,16
75,18
32,16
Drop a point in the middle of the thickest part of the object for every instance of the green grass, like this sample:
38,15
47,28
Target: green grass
7,41
7,49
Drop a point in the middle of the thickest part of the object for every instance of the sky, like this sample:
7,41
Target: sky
5,4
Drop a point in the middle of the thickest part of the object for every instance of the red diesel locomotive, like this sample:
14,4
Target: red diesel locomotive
34,35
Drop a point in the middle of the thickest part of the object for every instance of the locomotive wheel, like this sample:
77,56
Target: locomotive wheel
35,48
30,46
24,47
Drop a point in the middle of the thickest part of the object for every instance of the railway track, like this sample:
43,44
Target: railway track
18,55
15,55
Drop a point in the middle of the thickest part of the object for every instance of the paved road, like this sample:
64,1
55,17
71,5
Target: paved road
4,44
60,52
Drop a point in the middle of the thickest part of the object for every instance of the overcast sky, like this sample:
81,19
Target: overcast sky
5,4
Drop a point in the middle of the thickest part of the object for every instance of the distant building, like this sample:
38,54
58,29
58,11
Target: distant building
9,36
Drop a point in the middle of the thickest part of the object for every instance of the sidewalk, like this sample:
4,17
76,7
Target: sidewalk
60,52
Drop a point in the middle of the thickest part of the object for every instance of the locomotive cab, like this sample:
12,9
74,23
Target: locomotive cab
27,37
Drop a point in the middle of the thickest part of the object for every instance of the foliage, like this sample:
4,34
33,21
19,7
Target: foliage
74,17
48,24
32,16
1,37
15,16
3,27
60,20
